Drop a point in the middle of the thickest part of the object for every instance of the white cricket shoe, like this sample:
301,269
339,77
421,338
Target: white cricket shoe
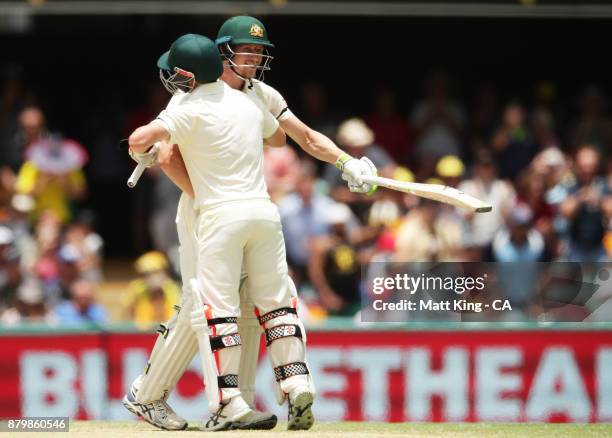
158,413
236,414
300,409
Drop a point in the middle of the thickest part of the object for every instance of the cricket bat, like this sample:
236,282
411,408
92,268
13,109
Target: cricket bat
436,192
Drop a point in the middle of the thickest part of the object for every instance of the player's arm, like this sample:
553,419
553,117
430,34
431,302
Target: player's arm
322,148
312,142
145,136
273,134
278,139
172,164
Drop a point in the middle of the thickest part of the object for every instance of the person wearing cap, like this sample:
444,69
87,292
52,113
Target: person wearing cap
53,176
450,168
358,140
151,298
219,131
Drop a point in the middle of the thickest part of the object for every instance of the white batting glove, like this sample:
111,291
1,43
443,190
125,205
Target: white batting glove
352,169
148,158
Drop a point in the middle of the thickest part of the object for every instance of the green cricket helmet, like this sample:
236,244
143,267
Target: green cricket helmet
192,58
241,30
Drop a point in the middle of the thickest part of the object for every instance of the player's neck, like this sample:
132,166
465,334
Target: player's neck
233,80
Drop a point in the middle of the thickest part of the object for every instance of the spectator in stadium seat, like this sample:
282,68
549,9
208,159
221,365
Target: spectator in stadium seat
315,111
10,272
512,144
81,307
584,208
391,129
519,240
11,103
543,129
303,218
517,247
29,306
32,128
425,234
484,116
593,125
357,140
53,175
334,266
83,245
281,172
152,297
484,184
438,121
450,169
46,265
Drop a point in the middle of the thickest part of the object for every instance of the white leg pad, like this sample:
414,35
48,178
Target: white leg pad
250,332
287,354
220,346
173,352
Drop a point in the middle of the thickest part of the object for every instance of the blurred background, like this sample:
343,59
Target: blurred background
507,100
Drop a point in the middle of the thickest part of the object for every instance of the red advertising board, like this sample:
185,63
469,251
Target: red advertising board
535,375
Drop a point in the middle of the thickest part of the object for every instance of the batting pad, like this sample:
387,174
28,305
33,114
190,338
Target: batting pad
171,356
249,328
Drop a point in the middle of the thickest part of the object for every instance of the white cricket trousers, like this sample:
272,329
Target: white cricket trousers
241,234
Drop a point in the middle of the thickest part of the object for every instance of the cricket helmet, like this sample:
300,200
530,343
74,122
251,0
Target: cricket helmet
241,30
191,58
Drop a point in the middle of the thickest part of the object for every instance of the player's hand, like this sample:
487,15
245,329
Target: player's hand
148,158
352,170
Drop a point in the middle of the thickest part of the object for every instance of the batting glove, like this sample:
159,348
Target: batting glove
148,158
352,169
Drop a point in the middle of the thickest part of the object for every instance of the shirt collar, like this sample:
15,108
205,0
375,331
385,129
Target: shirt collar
211,88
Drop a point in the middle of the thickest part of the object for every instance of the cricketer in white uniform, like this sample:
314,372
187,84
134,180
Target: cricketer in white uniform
220,133
176,344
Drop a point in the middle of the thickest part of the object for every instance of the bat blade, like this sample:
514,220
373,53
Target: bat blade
436,192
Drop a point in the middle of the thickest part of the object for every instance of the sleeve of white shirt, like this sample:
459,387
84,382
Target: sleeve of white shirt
178,122
274,101
270,124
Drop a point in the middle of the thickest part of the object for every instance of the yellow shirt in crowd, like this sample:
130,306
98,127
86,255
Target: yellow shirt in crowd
52,196
149,308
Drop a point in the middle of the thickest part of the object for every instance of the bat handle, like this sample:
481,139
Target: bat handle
135,176
370,179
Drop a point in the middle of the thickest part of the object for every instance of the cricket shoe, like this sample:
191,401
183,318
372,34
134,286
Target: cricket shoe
236,414
158,413
300,410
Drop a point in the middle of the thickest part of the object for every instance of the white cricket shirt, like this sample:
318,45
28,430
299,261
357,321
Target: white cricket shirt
271,98
220,134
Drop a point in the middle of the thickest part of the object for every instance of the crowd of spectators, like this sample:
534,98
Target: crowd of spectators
544,166
50,253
